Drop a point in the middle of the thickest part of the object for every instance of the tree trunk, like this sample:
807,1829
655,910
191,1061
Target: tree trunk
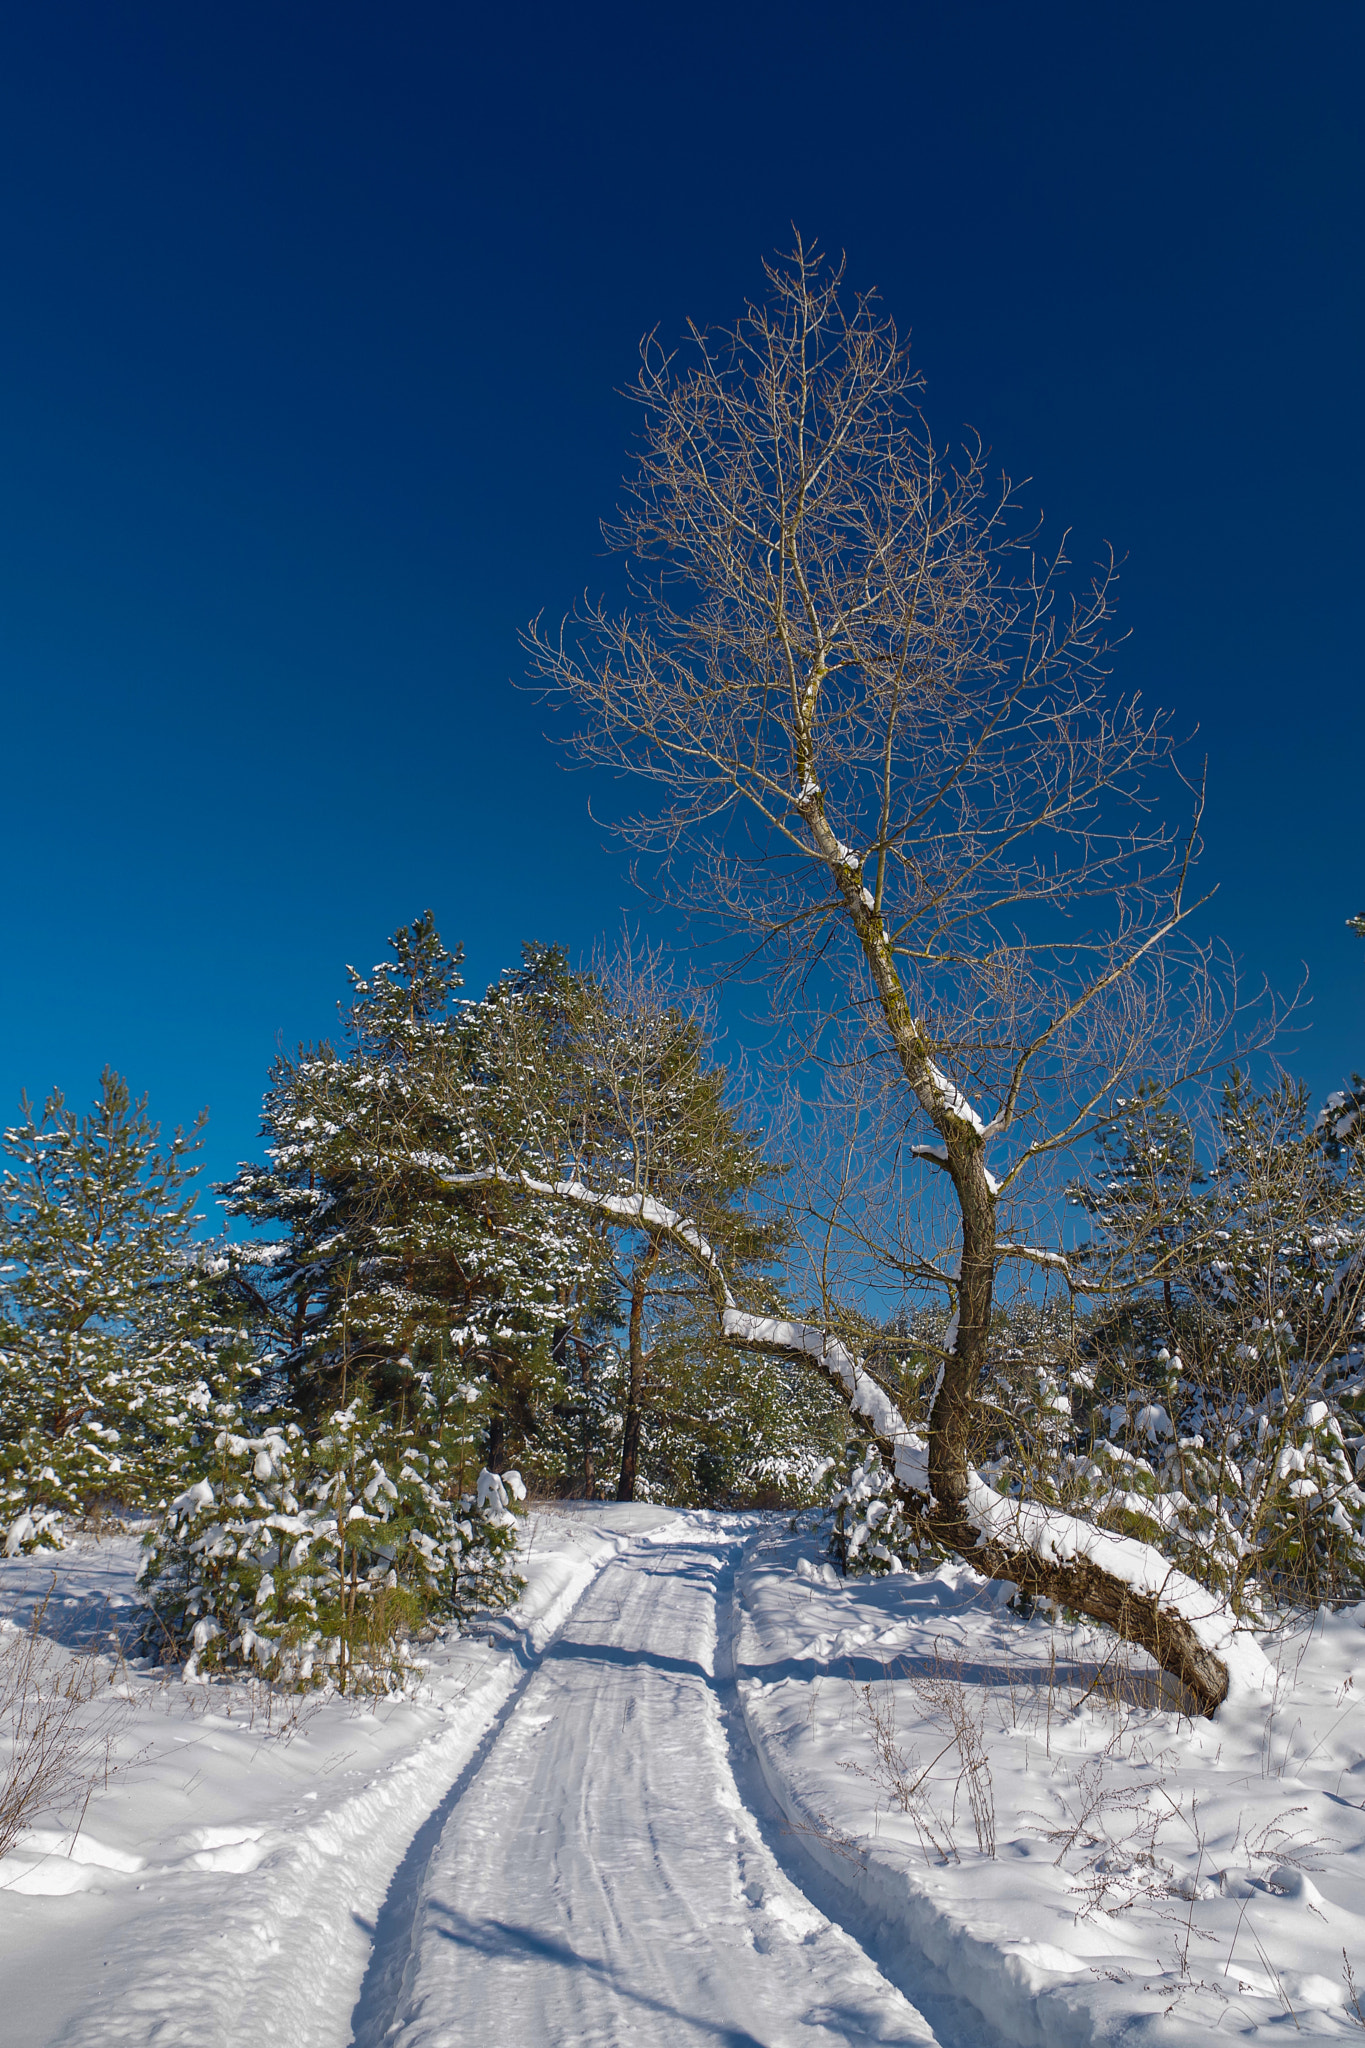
956,1402
635,1384
1054,1562
497,1441
1150,1620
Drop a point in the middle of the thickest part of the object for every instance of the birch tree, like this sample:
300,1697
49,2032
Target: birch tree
875,736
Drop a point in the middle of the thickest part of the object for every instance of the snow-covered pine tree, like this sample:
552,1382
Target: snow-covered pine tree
376,1271
310,1559
871,1532
404,1325
1224,1420
1142,1198
578,1451
549,1264
98,1341
720,1429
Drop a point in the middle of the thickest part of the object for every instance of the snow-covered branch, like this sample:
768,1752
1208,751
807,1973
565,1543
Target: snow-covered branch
1058,1261
1131,1586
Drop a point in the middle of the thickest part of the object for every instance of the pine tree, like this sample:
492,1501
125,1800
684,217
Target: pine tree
1224,1421
401,1326
549,1263
311,1555
720,1429
1141,1197
385,1272
99,1344
642,1103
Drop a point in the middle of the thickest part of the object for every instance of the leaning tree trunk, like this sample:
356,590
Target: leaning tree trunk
1135,1592
1115,1580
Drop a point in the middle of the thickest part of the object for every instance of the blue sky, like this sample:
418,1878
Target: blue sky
312,323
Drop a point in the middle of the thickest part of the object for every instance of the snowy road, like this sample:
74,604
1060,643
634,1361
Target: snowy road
571,1831
603,1877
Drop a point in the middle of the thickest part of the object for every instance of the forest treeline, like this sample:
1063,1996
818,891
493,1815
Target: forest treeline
329,1413
326,1417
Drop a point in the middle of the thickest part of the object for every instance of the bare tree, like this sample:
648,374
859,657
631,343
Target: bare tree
881,743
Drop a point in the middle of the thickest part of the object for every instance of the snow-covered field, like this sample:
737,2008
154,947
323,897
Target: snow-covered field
696,1788
1152,1877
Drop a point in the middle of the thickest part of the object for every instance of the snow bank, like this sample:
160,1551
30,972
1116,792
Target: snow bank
1152,1878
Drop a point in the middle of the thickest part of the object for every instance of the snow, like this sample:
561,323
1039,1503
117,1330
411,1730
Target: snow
955,1102
652,1804
642,1209
774,1333
281,1840
1215,1886
608,1881
1038,1255
1058,1538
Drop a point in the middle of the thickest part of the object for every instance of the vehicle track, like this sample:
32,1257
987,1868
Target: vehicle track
610,1867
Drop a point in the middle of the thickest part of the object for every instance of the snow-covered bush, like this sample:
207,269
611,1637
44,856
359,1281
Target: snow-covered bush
280,1554
1217,1392
871,1532
1257,1498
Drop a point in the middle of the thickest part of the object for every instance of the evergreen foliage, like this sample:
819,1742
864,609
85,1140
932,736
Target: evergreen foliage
98,1344
635,1098
319,1418
1218,1399
721,1428
306,1559
379,1273
401,1323
871,1532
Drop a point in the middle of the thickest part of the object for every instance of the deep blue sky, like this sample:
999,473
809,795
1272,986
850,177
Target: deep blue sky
312,318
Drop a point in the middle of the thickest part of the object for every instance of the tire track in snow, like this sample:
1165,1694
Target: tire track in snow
393,1929
612,1868
272,1955
956,2022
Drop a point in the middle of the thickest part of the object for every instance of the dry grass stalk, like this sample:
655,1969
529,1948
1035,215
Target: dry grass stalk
947,1703
60,1723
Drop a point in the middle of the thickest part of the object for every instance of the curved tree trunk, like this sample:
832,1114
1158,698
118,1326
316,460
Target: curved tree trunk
1045,1553
1115,1580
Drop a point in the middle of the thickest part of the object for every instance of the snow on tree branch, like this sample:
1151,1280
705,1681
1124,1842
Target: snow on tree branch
1189,1629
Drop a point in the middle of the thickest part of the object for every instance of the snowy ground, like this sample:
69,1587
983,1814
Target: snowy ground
696,1789
1150,1877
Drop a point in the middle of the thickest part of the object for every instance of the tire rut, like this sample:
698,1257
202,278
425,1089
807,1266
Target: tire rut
638,1881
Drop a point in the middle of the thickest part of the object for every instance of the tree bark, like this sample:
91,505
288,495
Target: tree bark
635,1383
1152,1620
